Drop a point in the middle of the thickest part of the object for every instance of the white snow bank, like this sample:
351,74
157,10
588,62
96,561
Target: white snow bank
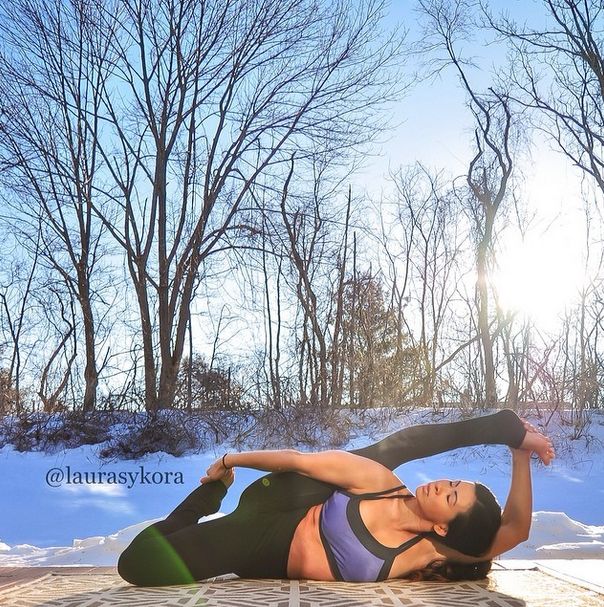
553,535
98,551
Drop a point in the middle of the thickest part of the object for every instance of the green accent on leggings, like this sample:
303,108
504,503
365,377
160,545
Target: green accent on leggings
173,561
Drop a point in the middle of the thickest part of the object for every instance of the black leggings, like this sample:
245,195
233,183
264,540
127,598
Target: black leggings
254,540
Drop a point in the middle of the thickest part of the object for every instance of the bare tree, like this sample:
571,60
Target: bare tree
397,240
489,170
273,278
338,342
51,63
429,260
57,369
587,390
559,72
16,294
204,97
309,246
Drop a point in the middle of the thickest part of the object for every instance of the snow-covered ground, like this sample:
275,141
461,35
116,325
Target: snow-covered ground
48,500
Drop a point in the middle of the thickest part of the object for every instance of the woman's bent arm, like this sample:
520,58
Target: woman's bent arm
346,470
516,517
517,513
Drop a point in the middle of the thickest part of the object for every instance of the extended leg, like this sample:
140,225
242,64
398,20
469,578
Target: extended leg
415,442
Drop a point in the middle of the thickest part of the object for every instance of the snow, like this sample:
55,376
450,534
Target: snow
104,512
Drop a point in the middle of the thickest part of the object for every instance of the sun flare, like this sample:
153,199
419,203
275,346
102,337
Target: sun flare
538,279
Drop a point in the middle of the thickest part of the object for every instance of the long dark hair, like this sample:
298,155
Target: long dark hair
473,532
451,571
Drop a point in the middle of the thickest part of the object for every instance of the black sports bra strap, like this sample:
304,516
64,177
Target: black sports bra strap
382,494
409,543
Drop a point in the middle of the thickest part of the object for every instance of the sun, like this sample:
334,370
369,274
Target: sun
539,277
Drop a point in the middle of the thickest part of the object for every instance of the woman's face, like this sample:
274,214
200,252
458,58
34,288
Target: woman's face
441,501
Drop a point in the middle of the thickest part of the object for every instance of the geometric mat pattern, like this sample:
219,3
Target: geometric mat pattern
504,588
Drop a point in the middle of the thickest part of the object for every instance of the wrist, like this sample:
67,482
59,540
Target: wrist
521,455
224,462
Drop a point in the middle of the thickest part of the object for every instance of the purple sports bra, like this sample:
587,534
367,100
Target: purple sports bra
354,555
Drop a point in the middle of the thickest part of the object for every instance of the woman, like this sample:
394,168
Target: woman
340,515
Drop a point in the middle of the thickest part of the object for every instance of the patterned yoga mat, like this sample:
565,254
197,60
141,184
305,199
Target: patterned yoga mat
505,588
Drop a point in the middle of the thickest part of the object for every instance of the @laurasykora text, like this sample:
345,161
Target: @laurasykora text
57,477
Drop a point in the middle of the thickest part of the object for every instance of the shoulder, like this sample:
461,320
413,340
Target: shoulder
355,473
381,479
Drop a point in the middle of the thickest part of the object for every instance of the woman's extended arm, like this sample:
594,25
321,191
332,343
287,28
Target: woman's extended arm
352,472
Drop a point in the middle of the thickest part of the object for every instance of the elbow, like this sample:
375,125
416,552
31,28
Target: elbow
522,536
526,532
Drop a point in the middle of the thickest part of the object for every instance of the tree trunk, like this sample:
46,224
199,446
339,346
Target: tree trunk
483,327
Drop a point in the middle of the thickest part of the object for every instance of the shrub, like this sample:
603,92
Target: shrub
50,432
168,431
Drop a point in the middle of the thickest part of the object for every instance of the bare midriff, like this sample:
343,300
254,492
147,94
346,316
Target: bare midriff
307,559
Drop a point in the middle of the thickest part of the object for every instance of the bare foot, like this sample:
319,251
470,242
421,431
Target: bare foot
538,443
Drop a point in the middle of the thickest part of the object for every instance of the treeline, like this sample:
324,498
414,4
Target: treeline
175,172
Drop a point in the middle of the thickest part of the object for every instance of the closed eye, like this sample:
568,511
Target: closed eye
450,501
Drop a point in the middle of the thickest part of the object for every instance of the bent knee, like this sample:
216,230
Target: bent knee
148,566
136,567
130,568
